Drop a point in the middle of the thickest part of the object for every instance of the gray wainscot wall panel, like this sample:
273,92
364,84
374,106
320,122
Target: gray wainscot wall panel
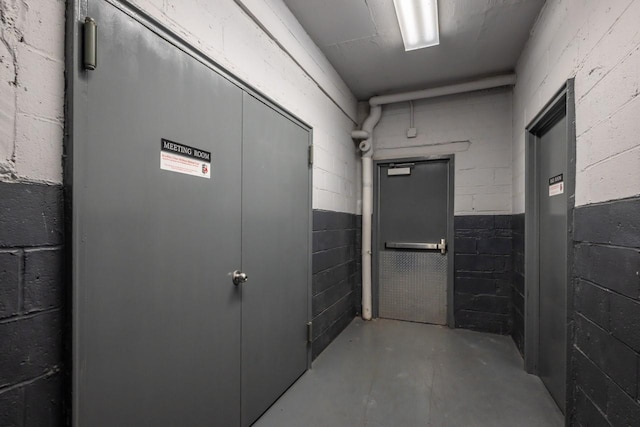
483,272
32,314
336,275
517,284
605,359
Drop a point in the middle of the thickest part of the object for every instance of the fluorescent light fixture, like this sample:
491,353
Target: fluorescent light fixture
418,21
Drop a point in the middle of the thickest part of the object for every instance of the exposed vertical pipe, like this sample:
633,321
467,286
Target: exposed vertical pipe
366,147
367,219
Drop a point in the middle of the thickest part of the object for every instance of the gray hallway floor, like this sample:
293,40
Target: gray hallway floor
387,373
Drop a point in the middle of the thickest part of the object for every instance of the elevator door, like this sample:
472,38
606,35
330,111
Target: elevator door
162,335
552,164
413,203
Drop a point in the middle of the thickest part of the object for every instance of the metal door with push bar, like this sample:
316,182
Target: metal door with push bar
413,254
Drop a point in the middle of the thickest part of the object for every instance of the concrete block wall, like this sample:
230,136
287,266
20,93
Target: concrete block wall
598,43
605,360
32,288
476,127
517,281
32,295
31,90
483,273
337,282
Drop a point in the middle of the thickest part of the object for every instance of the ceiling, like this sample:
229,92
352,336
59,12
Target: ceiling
361,38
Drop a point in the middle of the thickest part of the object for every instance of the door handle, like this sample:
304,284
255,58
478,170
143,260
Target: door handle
239,277
442,246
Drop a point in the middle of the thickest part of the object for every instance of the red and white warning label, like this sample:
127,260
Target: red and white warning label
556,185
183,159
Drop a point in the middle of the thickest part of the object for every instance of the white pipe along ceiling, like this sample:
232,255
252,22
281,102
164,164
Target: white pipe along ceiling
365,135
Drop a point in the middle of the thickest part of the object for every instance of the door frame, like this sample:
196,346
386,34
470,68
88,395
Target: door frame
375,288
76,129
562,104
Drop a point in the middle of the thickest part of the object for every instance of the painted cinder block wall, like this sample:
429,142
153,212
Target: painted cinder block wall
337,277
598,44
32,287
32,305
259,41
31,90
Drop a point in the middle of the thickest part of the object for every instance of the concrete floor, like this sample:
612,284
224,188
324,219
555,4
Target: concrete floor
396,374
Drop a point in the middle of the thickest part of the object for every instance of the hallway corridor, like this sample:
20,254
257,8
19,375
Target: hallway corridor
211,210
387,373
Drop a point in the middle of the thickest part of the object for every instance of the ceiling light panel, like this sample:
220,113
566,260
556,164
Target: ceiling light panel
418,21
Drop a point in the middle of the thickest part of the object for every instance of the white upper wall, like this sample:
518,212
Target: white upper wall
31,90
274,55
598,43
475,127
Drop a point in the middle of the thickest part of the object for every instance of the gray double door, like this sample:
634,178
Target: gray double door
161,334
413,213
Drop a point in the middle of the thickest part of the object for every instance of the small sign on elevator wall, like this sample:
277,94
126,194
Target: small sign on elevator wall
556,185
184,159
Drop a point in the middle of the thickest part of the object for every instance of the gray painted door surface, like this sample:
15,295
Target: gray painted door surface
160,332
157,315
552,161
413,209
275,242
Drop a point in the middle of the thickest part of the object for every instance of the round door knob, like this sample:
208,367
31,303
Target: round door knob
239,277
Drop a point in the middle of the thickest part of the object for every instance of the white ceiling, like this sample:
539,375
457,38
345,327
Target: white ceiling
362,40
